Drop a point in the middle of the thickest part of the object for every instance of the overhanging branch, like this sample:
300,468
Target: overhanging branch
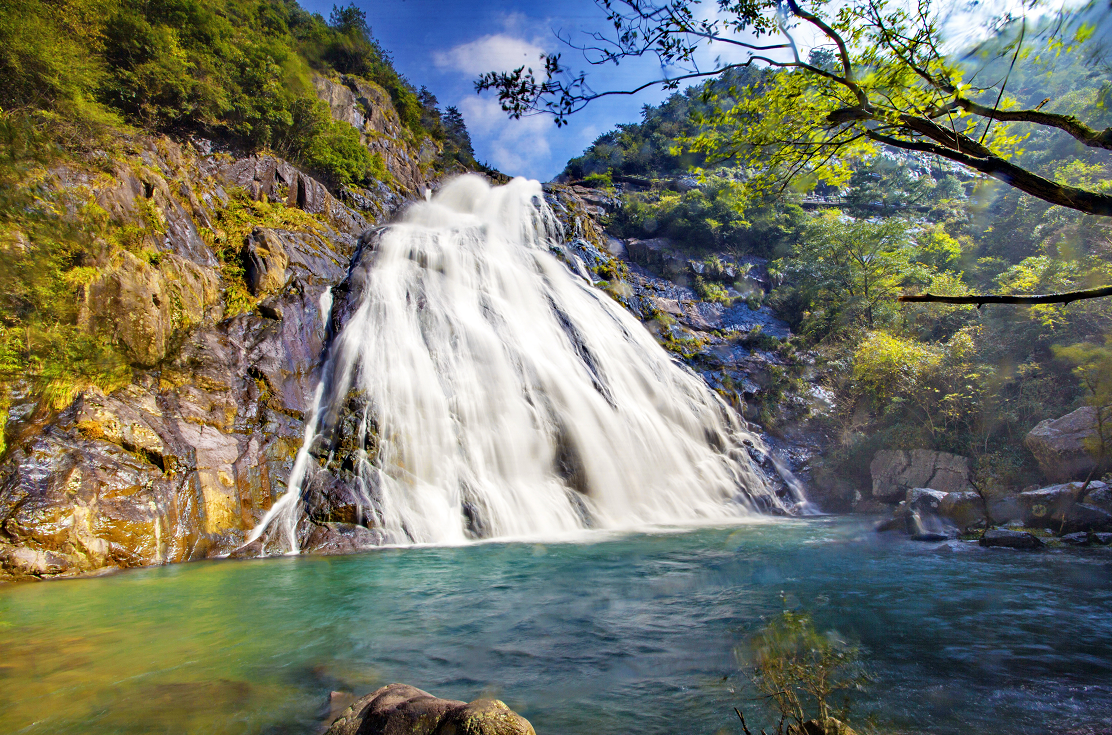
981,299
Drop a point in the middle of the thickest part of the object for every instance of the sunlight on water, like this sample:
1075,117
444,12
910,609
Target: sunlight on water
633,633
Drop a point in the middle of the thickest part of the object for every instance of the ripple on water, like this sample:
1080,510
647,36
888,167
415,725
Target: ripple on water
634,632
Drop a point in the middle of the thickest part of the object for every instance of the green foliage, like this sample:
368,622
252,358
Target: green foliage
714,216
711,291
234,69
1093,365
46,261
800,671
846,273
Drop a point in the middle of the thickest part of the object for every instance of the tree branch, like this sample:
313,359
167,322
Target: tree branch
1072,197
1068,123
980,299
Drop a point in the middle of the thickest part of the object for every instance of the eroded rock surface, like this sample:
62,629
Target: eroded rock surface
184,460
895,472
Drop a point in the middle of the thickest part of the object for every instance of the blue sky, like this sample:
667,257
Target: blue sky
446,44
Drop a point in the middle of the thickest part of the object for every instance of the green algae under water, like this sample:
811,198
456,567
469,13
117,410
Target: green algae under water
626,633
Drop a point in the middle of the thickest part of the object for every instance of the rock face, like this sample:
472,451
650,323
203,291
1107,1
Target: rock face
1059,445
400,709
183,461
368,108
894,472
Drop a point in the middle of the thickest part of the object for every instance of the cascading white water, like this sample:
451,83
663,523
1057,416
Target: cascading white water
508,397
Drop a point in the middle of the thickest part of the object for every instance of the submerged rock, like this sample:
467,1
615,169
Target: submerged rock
400,709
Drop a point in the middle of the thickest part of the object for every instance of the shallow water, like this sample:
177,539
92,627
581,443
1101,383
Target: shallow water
632,633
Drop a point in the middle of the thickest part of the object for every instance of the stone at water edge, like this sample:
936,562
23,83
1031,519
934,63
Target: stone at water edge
1056,508
1076,539
894,472
1010,539
965,509
400,709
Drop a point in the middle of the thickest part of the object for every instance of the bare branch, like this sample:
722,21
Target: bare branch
980,299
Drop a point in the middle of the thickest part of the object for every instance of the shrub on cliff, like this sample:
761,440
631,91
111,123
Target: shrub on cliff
238,70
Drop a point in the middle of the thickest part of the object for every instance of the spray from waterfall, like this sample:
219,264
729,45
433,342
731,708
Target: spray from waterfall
500,395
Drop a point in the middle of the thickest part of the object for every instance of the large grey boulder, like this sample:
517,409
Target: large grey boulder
895,472
1060,506
964,509
400,709
1059,445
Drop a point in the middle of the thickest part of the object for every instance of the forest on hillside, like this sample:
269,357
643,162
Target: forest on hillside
960,379
83,83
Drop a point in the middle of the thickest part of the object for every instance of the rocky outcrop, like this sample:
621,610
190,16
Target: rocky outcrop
400,709
1062,446
1062,508
367,107
895,472
183,461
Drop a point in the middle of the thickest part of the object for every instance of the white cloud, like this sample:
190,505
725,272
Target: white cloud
497,52
516,147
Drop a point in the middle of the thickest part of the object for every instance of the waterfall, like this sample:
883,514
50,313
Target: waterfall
503,396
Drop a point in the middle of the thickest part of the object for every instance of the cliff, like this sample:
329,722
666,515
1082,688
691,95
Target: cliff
209,273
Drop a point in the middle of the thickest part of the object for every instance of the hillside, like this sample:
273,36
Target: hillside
181,186
830,262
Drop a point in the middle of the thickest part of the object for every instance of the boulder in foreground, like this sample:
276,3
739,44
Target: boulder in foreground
400,709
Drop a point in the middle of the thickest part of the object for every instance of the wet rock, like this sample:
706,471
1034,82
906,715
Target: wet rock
1076,539
1051,507
1010,539
332,539
1059,445
1087,518
264,262
894,472
964,509
400,709
1104,539
924,499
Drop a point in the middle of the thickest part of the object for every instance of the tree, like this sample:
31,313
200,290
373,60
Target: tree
850,269
880,76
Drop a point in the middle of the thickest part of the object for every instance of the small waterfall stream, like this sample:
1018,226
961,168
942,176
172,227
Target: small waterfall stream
505,397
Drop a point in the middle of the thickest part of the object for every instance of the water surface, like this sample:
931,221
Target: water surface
630,633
